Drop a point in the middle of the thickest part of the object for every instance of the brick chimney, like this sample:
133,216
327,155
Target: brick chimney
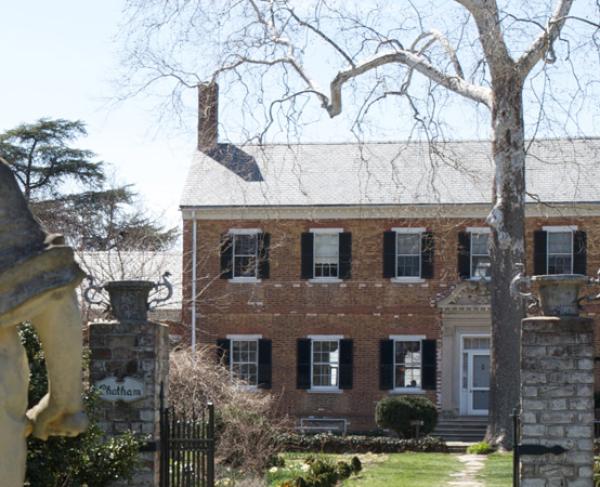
208,116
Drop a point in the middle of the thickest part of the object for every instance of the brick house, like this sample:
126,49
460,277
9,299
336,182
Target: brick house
337,274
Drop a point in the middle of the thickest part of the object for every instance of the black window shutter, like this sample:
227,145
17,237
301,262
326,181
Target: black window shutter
540,262
427,255
264,242
223,345
386,364
389,254
346,354
303,356
429,365
226,256
307,252
345,255
264,363
464,255
580,253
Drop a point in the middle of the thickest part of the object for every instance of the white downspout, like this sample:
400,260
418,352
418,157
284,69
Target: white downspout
194,250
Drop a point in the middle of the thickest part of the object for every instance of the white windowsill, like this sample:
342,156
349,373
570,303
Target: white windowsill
407,280
407,390
244,280
325,390
325,280
477,279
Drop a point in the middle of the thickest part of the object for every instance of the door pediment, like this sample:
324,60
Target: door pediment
467,296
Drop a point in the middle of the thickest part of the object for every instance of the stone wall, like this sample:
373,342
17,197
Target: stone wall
557,400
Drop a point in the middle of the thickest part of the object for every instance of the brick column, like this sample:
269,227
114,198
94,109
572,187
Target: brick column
557,379
129,361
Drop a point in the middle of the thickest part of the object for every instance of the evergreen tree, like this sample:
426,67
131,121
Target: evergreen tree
42,159
93,218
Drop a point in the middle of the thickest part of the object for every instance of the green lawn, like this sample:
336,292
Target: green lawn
384,470
497,470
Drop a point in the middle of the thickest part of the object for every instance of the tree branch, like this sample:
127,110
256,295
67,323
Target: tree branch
414,62
485,14
443,40
542,46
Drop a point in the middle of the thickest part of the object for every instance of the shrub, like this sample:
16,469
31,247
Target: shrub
481,448
89,459
344,470
322,473
396,413
248,423
356,465
328,443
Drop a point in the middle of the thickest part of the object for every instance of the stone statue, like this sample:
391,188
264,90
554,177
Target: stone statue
38,275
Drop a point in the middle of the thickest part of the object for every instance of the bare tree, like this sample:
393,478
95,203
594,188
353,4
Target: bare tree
494,54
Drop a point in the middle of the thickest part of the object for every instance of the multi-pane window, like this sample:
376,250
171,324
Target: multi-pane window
325,363
326,254
408,255
560,252
407,364
480,255
245,249
244,360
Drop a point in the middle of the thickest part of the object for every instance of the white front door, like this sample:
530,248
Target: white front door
479,382
475,367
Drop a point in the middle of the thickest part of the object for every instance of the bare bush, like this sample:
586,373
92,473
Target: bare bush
248,421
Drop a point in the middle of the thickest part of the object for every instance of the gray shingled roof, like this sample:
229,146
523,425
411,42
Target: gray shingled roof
558,170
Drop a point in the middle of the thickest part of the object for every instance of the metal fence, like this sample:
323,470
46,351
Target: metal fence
187,448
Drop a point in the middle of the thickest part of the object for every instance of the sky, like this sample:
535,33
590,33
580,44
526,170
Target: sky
60,60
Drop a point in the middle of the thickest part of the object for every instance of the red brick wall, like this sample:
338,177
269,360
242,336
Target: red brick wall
366,308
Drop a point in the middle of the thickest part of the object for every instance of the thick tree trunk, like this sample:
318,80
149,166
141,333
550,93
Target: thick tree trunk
507,220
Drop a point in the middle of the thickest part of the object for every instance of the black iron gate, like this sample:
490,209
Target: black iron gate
187,448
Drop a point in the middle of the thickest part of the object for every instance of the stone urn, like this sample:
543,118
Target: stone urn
128,299
556,295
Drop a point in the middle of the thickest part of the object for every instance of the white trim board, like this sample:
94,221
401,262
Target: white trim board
409,230
559,228
479,230
407,338
244,231
326,231
243,337
475,210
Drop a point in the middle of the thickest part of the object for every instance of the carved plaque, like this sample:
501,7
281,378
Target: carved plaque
128,389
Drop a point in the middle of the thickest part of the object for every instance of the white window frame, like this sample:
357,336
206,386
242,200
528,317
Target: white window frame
243,338
324,338
244,231
478,231
407,338
408,231
325,231
560,229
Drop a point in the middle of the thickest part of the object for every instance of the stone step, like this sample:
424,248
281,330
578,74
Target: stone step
475,429
461,429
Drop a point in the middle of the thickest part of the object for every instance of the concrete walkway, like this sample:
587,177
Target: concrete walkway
467,476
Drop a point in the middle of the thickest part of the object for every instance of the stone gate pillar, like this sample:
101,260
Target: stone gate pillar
129,362
557,400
